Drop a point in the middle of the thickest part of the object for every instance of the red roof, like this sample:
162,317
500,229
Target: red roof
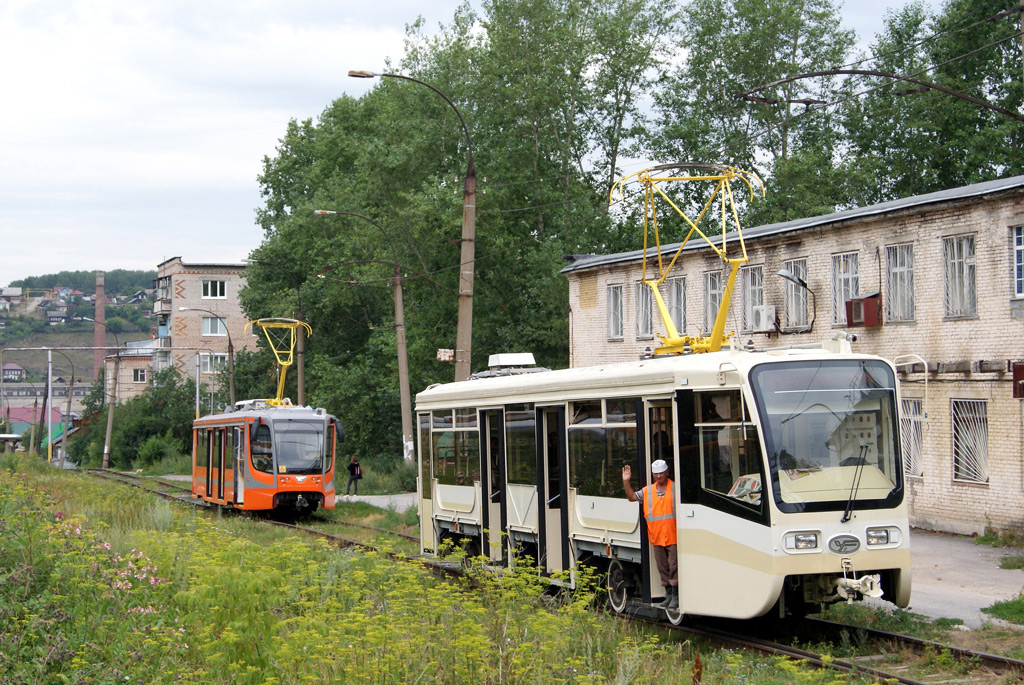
31,414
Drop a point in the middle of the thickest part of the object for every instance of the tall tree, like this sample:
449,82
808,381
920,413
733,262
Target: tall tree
732,47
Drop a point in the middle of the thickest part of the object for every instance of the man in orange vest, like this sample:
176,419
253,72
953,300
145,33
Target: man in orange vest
658,502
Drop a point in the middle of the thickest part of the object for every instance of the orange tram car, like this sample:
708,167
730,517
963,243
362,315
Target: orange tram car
261,457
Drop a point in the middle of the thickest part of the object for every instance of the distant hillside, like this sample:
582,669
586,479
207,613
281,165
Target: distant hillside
60,339
116,282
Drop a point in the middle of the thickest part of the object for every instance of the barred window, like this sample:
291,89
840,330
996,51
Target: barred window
644,305
712,298
899,297
845,284
753,294
615,312
912,436
970,441
1018,261
960,290
796,297
677,303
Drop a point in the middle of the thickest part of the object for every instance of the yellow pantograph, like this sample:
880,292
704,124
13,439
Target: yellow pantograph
673,342
280,334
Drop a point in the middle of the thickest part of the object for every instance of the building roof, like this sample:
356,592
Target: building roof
12,365
30,414
583,262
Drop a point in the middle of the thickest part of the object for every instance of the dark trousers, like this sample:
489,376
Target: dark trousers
351,480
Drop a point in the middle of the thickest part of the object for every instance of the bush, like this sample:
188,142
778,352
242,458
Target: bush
157,448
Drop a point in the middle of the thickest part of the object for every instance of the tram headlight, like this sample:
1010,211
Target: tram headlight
802,541
882,536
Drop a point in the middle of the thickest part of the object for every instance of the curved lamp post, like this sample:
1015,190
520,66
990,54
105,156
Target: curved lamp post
464,327
231,350
925,85
403,358
113,394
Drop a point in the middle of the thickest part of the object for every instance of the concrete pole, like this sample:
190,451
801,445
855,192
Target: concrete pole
110,410
300,359
231,368
464,325
49,402
403,368
67,418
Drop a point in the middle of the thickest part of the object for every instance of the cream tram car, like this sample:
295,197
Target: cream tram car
787,464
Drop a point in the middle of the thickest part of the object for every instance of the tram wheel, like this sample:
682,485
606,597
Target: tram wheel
617,586
674,616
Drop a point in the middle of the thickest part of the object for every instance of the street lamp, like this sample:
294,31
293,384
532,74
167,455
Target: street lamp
300,334
801,283
464,327
113,395
231,350
924,86
403,358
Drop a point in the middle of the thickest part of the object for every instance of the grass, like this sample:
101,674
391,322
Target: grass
100,583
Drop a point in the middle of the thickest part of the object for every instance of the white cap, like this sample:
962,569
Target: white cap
659,466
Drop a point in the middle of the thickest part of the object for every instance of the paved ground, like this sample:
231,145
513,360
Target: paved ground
955,578
397,502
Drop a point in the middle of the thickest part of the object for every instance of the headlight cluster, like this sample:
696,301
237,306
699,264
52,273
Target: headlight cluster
889,535
802,541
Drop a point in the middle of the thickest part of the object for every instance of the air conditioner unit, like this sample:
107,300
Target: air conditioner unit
763,319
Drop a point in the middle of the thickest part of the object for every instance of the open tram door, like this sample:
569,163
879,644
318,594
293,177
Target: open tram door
494,515
552,491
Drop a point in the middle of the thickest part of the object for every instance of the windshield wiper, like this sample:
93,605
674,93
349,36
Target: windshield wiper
862,459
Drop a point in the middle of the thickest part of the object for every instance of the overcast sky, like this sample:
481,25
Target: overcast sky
133,131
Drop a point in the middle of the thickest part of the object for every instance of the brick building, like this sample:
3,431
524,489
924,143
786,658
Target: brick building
934,282
211,319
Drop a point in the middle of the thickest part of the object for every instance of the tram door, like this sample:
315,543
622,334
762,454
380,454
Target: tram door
554,516
210,447
492,484
660,445
239,461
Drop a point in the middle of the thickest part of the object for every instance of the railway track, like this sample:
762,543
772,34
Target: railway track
971,666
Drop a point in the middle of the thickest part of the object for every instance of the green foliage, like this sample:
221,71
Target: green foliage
1009,610
158,448
115,282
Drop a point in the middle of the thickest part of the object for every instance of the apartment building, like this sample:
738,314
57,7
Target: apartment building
199,317
933,282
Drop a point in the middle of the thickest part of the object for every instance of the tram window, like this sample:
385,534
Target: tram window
229,449
442,420
586,412
731,463
621,410
725,406
455,456
201,447
262,450
521,444
424,421
465,418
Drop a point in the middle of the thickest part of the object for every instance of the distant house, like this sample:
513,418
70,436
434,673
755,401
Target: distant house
57,317
13,372
140,296
61,292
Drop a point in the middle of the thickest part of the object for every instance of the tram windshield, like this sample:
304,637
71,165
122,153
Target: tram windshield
299,446
830,433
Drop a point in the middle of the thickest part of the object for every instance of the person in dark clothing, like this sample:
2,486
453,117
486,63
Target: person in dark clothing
354,474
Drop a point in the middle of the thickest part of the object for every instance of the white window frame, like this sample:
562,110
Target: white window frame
212,363
845,284
899,283
214,326
714,288
969,419
1018,261
677,302
752,278
961,290
644,311
912,436
138,375
214,290
796,297
615,311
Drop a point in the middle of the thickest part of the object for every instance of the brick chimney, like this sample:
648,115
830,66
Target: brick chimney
99,335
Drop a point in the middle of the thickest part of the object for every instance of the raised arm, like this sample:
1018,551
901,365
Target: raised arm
627,474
